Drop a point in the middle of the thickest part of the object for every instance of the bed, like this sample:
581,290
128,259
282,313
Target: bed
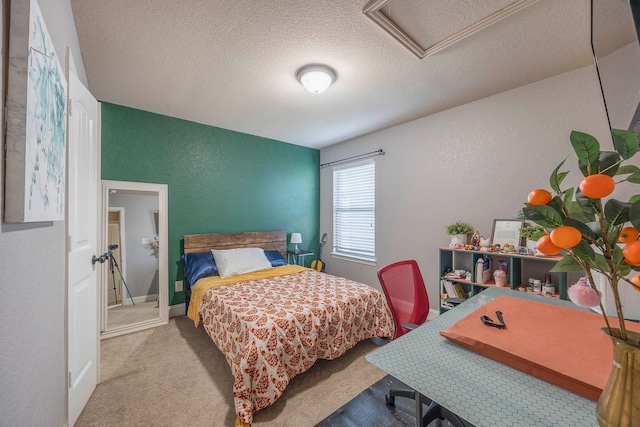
273,324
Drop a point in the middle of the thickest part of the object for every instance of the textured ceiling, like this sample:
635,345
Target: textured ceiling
232,64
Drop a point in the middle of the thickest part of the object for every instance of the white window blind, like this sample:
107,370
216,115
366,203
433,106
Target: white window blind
354,210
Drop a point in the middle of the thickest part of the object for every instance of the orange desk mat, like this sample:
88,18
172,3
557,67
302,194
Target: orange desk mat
561,345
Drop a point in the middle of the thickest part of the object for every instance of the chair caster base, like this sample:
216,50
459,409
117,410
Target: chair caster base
390,400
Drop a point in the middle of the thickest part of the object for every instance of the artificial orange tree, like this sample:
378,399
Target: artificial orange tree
587,222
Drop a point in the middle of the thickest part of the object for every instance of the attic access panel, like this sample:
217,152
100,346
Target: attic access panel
426,27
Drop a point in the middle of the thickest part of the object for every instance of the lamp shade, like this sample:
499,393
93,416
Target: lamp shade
296,238
316,78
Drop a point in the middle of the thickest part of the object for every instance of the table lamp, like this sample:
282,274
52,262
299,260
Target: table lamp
296,238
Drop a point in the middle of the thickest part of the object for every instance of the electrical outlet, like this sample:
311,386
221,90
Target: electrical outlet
178,286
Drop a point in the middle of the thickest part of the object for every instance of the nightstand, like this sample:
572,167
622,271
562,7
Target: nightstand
297,258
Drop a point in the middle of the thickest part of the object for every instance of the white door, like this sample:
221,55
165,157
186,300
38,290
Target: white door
83,296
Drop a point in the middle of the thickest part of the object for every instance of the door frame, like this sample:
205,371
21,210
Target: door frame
123,256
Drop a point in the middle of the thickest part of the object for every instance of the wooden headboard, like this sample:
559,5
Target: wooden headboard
268,240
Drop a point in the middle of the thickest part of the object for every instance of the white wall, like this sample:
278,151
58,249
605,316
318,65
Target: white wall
32,319
617,70
475,163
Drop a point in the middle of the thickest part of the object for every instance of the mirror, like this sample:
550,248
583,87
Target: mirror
614,39
134,285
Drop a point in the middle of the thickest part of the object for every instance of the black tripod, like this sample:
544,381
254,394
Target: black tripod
114,263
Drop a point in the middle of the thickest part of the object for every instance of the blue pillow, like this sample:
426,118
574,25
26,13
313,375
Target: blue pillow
275,258
199,265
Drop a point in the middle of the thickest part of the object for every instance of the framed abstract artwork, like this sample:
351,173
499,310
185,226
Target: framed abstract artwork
36,121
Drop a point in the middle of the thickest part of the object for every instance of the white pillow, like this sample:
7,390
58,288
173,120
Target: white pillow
232,262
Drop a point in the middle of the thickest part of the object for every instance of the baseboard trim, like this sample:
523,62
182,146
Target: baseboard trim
140,299
177,310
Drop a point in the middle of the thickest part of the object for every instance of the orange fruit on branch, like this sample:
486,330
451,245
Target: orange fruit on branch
597,186
546,246
636,281
539,196
628,234
565,236
631,252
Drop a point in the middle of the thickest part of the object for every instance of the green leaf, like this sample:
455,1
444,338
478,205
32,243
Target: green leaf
580,226
586,147
617,254
634,199
625,142
584,251
567,196
543,215
612,232
607,163
616,212
566,264
601,263
617,257
588,205
556,178
556,204
576,212
537,235
624,269
634,178
627,169
634,214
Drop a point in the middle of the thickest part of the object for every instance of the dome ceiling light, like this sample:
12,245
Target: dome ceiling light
316,78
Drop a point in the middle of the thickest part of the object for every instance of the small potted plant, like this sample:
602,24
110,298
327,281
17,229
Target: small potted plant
532,232
459,231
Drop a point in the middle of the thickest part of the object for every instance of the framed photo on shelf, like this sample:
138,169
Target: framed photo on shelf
506,231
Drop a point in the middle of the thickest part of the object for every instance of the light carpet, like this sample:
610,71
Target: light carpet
174,375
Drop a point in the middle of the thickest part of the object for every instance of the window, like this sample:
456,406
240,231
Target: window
354,211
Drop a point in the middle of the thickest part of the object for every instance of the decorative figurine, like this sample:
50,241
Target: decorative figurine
485,244
475,239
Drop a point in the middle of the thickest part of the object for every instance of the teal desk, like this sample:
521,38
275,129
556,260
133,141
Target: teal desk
480,390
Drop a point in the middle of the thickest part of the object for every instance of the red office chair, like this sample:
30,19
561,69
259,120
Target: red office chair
406,295
409,303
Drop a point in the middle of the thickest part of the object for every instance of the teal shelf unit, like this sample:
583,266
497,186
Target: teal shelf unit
520,269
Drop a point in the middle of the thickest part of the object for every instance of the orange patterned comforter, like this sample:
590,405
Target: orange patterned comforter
272,329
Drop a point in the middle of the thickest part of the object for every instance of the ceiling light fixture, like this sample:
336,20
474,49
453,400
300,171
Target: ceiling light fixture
316,78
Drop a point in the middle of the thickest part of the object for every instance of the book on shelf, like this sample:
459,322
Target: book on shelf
460,291
445,303
448,288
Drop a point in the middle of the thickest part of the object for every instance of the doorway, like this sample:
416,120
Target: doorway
115,228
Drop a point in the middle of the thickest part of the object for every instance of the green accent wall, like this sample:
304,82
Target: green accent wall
219,181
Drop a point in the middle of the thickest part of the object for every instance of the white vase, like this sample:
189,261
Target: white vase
458,241
532,246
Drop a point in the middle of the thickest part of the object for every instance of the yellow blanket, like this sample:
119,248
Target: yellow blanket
206,283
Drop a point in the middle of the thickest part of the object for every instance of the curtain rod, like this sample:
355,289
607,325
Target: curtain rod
379,152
